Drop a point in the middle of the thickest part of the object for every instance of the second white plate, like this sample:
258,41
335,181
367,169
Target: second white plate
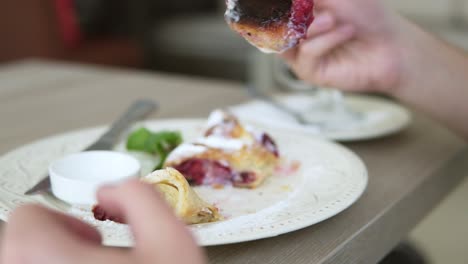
378,117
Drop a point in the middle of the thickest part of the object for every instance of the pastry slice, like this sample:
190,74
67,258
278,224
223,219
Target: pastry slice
173,186
227,154
187,205
273,26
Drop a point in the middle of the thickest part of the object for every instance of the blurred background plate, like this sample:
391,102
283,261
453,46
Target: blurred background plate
376,117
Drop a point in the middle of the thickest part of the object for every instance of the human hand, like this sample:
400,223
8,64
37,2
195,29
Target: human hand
38,235
351,45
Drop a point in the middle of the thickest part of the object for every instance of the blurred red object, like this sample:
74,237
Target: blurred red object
68,23
48,29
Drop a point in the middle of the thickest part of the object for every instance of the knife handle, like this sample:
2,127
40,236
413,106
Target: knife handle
137,111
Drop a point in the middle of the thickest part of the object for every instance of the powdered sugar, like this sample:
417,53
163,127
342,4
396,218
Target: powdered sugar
184,151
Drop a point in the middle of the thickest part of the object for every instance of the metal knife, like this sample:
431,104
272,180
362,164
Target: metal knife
137,111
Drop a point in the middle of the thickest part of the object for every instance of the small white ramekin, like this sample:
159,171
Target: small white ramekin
76,178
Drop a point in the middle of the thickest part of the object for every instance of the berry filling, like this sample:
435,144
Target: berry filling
101,215
269,144
209,172
245,177
205,172
302,16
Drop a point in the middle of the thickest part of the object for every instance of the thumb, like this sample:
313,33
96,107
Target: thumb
45,235
27,218
153,223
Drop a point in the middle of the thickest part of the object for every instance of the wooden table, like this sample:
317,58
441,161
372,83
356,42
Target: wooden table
409,172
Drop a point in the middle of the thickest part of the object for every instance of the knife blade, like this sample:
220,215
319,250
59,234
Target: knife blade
137,111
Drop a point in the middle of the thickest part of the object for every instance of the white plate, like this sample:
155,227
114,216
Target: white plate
331,178
378,117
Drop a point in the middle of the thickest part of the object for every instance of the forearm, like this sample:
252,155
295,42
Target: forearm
435,78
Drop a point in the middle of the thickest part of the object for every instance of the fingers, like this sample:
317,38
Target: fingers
28,218
137,203
324,36
79,229
156,229
322,44
42,232
50,237
312,56
289,56
323,22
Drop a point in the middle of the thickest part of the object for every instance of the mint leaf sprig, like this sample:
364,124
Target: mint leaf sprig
155,143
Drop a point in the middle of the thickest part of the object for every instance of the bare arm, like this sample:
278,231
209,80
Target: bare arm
363,46
434,78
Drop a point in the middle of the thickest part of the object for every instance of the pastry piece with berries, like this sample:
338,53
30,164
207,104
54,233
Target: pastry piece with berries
173,186
227,154
273,26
